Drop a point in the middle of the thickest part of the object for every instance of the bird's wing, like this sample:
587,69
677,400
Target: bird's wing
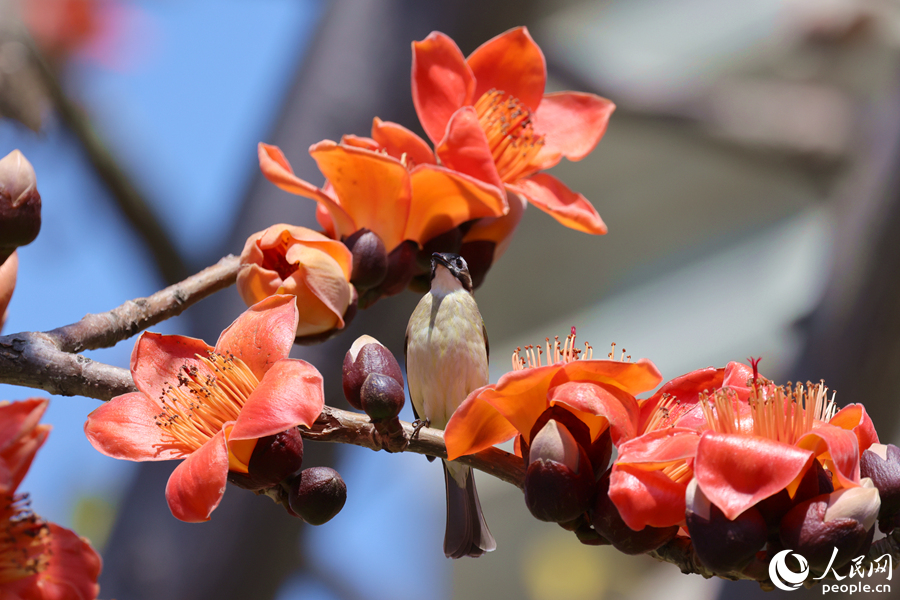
487,345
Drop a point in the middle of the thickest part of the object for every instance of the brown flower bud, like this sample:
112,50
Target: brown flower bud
20,203
366,356
370,261
400,270
317,495
274,459
609,524
382,397
559,477
881,464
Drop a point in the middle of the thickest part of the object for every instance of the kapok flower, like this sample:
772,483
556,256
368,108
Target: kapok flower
569,386
285,259
38,560
390,184
488,117
209,406
741,453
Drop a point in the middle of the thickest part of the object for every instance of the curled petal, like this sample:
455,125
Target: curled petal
645,497
443,199
520,396
157,360
361,142
465,148
441,82
18,419
373,187
736,471
568,207
511,62
475,426
599,405
633,378
254,283
686,389
196,485
837,445
263,334
125,428
323,293
659,448
855,418
398,141
572,123
275,168
289,395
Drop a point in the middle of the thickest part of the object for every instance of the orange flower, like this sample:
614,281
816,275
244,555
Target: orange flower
390,184
38,560
488,117
209,406
599,393
313,268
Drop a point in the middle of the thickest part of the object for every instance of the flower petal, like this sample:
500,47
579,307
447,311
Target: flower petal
837,445
520,396
855,418
646,497
499,229
322,289
275,168
568,207
736,471
157,360
572,123
263,334
599,405
196,485
397,141
8,270
289,395
475,426
634,377
658,448
441,82
511,62
374,188
443,199
125,428
465,148
686,390
17,419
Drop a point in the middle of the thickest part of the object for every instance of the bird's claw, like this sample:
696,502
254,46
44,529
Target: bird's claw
418,424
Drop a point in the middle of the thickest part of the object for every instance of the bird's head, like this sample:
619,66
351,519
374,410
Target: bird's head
449,272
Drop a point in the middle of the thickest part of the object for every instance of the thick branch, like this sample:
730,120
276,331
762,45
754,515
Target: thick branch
107,329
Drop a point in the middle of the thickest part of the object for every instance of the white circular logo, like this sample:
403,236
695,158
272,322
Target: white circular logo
782,576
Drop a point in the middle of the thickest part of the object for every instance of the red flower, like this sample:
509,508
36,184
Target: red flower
390,184
754,440
488,117
38,560
209,406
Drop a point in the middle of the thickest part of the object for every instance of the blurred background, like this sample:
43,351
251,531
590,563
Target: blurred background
748,179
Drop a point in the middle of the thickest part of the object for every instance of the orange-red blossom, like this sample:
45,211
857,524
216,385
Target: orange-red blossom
210,405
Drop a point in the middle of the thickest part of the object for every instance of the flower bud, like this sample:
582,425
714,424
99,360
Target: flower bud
381,397
20,203
449,241
370,261
317,495
815,482
843,519
8,271
274,459
881,464
285,259
400,270
366,356
609,524
559,478
723,546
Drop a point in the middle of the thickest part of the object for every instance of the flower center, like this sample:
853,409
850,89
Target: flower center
780,413
509,127
201,402
274,259
25,543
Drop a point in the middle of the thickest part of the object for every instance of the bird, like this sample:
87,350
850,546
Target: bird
446,359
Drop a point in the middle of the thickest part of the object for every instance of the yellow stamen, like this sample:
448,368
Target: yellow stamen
25,541
509,128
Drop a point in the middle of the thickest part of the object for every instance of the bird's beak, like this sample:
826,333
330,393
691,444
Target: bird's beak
438,257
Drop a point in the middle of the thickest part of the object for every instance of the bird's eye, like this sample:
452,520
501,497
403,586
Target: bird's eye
459,263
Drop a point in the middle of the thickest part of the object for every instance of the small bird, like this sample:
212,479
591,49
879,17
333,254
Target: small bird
447,358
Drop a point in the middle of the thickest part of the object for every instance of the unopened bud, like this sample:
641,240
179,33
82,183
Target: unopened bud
274,459
559,479
400,270
843,519
370,261
815,482
881,463
381,397
723,546
317,495
609,524
366,356
20,203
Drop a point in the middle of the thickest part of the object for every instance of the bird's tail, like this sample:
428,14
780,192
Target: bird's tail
467,534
